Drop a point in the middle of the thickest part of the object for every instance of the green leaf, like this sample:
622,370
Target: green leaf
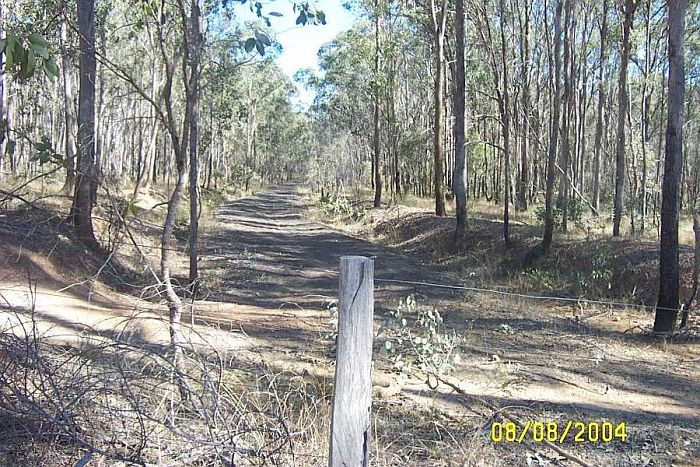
29,64
261,47
250,44
39,50
10,52
50,68
264,38
275,14
321,16
37,39
20,55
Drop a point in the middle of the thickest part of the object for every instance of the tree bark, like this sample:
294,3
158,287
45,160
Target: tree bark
81,210
622,108
566,116
2,99
646,98
68,113
376,143
554,134
667,305
439,14
460,166
504,103
523,182
602,96
193,98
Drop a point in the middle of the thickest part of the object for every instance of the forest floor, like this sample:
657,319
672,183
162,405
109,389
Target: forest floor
269,268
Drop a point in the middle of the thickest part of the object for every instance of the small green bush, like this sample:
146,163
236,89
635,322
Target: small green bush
417,340
574,212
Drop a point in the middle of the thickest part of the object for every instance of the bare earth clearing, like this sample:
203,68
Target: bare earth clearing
270,273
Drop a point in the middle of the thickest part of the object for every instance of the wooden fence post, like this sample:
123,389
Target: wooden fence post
352,394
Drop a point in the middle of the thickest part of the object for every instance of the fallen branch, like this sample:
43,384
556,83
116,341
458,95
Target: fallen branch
41,175
9,195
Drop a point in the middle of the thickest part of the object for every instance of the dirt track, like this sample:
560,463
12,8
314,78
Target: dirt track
276,269
266,254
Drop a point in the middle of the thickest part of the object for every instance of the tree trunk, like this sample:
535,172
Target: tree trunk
376,121
646,99
696,270
193,98
622,108
554,134
2,99
251,124
460,166
81,210
505,127
145,175
566,116
667,305
439,23
68,113
523,182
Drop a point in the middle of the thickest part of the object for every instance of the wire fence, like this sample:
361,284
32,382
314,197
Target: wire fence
526,296
379,281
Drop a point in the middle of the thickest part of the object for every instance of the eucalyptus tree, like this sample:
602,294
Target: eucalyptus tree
628,9
438,14
196,41
567,108
376,123
602,70
498,59
460,166
68,111
345,91
667,304
83,200
524,16
554,132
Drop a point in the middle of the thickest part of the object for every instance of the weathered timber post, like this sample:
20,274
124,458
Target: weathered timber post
352,395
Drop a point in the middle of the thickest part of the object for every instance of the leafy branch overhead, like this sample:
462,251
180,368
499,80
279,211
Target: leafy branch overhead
24,56
307,15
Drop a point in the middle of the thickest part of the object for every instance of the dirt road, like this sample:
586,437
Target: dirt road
267,254
277,269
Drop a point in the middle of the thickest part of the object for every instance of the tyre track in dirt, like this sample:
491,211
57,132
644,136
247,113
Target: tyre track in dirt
271,256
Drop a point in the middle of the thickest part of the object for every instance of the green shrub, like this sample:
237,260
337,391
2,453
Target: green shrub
340,205
574,211
417,340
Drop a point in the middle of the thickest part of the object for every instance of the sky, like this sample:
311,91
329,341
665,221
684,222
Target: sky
300,44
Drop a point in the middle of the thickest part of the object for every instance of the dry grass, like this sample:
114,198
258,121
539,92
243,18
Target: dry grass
112,397
586,260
